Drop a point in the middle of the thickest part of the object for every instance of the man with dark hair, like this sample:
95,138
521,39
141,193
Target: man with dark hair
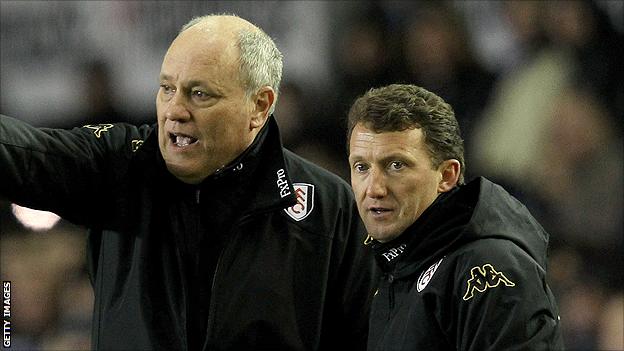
205,233
464,265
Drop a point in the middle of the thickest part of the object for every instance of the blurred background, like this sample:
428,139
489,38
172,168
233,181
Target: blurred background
537,88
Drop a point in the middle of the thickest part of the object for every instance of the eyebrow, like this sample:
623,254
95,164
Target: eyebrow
395,155
164,77
192,83
353,157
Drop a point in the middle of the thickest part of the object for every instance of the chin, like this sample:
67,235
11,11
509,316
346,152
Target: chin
183,174
383,235
190,180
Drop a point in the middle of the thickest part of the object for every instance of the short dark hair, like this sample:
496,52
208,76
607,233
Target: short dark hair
398,107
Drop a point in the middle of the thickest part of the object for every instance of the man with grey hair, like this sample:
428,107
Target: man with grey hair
205,233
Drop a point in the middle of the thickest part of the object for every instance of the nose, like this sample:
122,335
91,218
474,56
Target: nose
376,187
176,109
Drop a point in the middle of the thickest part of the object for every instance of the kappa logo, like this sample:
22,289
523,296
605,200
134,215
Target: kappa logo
425,277
482,278
98,129
305,202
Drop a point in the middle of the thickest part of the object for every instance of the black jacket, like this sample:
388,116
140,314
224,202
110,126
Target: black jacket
222,264
469,274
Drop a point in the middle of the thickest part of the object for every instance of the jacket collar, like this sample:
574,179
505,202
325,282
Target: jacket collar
260,170
264,166
474,211
436,231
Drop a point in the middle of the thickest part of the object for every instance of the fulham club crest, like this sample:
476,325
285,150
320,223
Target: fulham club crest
425,276
305,201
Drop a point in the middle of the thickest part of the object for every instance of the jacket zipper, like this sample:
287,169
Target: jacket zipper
211,310
211,307
390,294
196,268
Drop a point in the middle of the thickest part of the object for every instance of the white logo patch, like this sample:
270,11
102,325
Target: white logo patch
282,183
425,276
305,201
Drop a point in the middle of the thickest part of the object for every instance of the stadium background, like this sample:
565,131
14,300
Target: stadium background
537,88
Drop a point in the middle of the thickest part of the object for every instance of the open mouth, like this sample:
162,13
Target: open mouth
181,140
378,210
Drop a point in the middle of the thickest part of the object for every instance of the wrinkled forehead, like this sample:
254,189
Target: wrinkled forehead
367,141
206,39
198,50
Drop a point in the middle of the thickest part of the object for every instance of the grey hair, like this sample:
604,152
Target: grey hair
260,61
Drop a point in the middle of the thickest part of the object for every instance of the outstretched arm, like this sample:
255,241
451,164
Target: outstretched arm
68,172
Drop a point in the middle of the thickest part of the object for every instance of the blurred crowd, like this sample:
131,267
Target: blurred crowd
537,87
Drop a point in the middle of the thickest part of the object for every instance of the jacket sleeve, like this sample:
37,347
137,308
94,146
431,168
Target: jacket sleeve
502,301
69,172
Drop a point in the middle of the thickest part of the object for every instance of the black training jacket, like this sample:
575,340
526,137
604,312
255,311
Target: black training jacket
292,272
470,275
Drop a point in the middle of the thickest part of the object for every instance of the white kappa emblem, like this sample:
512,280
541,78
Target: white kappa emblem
305,201
425,276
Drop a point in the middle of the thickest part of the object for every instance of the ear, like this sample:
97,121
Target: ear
449,169
263,100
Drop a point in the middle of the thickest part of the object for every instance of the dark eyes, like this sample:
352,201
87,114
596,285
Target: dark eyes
396,165
195,94
167,89
360,167
200,94
393,166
